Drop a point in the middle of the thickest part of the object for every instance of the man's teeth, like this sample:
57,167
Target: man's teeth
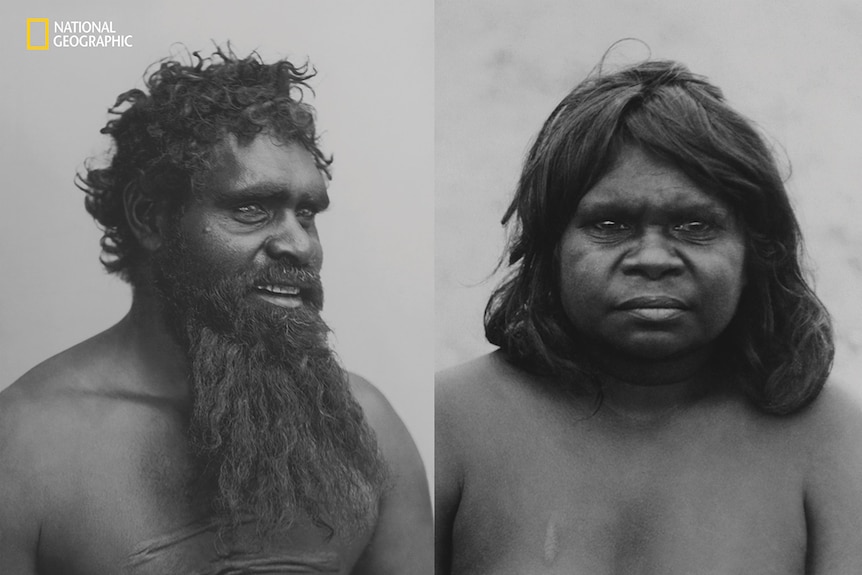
281,290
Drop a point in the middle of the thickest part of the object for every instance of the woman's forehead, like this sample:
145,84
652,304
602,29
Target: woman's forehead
638,179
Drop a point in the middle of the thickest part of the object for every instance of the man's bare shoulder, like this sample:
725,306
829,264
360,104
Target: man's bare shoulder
392,435
42,423
85,367
43,398
73,400
402,541
373,402
397,446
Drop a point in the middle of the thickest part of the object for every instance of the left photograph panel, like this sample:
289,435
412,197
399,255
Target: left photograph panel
216,305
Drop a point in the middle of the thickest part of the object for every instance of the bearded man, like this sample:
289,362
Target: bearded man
212,430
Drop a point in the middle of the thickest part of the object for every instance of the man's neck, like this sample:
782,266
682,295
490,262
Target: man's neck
157,356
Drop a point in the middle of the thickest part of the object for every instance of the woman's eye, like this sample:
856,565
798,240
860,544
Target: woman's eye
250,213
611,226
608,230
695,227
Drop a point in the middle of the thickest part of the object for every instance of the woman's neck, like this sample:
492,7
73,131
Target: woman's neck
648,388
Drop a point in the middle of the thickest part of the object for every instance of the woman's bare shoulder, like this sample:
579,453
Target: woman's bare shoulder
488,378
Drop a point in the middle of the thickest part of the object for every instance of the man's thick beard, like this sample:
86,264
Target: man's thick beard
275,431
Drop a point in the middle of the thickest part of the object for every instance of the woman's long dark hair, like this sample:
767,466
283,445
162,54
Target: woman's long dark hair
779,343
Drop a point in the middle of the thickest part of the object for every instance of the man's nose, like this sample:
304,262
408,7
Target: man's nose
654,256
294,242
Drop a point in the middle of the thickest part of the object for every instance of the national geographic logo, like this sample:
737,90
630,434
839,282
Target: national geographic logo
74,34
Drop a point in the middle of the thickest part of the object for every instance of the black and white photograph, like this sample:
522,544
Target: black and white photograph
470,287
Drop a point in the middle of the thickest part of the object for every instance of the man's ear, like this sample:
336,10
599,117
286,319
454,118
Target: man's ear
146,219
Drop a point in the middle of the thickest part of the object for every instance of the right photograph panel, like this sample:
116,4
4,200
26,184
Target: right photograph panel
648,330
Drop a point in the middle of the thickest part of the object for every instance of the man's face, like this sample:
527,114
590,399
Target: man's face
257,213
274,427
651,266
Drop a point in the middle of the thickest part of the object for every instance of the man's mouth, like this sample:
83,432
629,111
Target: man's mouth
280,295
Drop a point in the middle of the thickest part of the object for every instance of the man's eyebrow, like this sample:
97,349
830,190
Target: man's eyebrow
255,190
267,191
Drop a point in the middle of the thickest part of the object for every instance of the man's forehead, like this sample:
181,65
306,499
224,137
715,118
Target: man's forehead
232,150
264,160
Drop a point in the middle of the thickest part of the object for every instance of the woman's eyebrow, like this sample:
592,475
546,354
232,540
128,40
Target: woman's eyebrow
638,204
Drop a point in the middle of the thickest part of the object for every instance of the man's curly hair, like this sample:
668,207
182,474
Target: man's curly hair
164,137
779,343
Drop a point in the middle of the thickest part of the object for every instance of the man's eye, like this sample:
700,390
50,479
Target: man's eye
250,213
306,213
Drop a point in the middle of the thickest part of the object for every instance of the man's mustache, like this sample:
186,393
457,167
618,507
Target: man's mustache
306,280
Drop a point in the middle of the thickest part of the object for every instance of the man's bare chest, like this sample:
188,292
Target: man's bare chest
130,506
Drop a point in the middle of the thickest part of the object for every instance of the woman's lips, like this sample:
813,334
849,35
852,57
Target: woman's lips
654,307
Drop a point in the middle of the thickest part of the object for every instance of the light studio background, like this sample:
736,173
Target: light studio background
375,107
501,67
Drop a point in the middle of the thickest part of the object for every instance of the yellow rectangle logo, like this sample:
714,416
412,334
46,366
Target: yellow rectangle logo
37,36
